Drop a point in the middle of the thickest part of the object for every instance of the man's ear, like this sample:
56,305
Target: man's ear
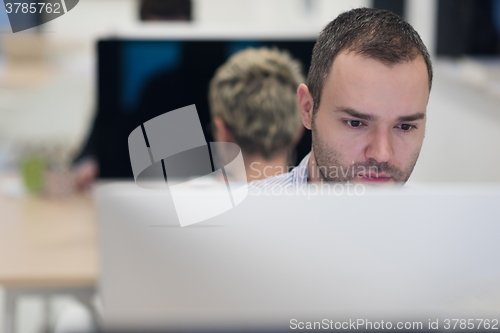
222,133
306,105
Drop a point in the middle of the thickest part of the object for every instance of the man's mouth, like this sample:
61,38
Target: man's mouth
376,178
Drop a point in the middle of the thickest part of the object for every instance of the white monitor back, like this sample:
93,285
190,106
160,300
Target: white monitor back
384,255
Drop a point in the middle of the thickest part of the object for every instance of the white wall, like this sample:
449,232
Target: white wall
422,15
308,14
92,17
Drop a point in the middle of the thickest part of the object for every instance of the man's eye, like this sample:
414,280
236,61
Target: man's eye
406,127
354,123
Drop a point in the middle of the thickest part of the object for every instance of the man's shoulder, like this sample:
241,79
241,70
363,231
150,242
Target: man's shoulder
280,180
298,176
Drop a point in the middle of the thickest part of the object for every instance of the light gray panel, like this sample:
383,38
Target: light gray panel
174,132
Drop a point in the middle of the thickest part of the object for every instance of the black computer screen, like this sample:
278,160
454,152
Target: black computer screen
141,79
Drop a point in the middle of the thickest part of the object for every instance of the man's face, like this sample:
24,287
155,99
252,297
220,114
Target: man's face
370,123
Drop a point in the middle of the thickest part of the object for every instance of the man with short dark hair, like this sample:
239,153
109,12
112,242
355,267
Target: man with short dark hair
365,101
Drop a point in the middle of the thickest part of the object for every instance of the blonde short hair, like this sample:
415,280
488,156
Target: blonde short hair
255,94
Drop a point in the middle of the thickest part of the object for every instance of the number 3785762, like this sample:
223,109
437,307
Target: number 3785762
32,8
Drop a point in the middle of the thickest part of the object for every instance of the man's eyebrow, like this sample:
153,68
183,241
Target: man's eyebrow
368,117
412,117
356,114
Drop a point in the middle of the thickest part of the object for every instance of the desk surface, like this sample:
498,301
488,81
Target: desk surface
47,242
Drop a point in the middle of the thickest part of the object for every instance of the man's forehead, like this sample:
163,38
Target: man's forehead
367,85
353,63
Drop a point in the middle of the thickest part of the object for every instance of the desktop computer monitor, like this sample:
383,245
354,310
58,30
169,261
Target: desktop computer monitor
279,262
139,79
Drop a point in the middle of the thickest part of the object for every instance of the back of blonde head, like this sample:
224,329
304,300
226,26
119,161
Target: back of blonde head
254,93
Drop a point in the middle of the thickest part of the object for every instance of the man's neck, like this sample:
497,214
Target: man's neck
258,167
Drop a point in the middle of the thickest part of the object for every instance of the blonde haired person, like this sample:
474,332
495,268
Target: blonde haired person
253,103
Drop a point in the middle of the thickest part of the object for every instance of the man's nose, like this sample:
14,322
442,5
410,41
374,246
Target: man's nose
380,147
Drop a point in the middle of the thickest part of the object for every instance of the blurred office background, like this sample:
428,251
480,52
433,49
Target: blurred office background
48,77
48,74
